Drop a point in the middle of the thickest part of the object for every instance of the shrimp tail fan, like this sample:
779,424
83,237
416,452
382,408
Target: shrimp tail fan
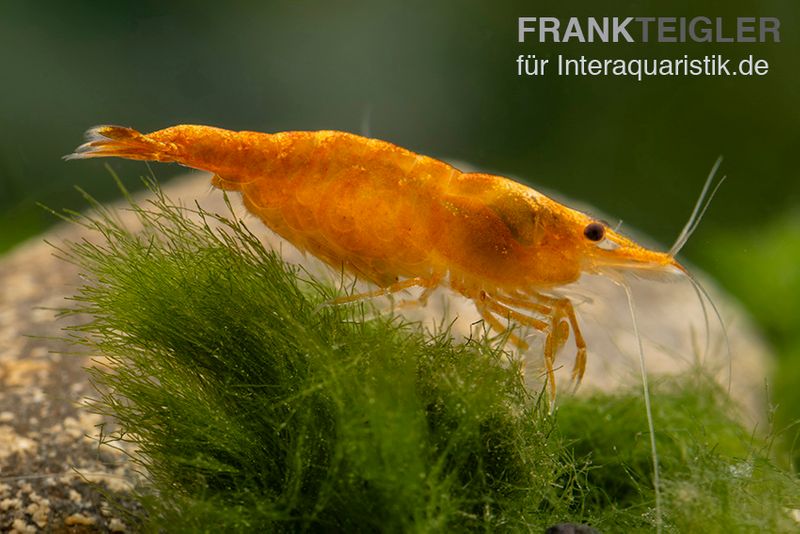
119,141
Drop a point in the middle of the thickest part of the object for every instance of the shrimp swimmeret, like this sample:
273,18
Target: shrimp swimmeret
399,220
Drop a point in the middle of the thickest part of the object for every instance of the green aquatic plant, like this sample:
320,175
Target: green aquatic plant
255,407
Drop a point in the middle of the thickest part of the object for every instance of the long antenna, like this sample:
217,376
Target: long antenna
648,409
703,201
701,294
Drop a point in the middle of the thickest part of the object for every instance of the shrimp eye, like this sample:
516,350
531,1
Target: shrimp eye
594,231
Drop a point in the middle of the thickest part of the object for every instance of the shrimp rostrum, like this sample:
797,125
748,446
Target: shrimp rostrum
401,220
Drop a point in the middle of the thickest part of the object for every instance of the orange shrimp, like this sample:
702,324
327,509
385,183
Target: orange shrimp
400,220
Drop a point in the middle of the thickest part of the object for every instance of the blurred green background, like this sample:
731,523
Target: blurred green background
438,78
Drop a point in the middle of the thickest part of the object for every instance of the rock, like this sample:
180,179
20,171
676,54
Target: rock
43,423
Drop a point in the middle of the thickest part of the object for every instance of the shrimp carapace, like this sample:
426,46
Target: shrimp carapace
400,220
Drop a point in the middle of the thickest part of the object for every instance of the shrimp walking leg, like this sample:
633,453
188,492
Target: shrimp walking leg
557,330
394,288
562,318
551,345
495,324
508,313
559,309
422,299
580,357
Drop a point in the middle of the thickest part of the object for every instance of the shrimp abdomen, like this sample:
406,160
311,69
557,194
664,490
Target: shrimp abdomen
340,197
352,201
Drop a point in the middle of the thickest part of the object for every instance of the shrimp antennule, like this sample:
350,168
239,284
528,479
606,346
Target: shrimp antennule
703,201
